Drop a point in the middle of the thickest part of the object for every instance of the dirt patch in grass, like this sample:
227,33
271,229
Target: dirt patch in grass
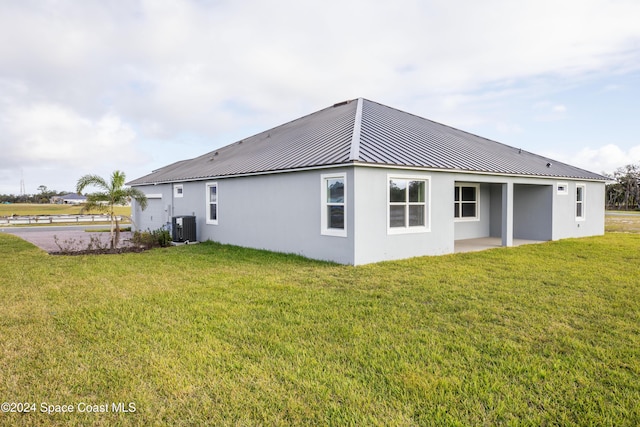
618,222
115,251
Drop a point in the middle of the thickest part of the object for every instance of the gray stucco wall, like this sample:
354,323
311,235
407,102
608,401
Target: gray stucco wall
192,202
282,212
495,229
158,211
374,243
279,212
533,211
565,223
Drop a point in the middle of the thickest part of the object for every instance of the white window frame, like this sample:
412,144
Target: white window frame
582,202
208,186
407,229
562,188
178,190
460,202
324,204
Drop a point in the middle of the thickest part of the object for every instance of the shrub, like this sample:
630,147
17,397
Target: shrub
152,239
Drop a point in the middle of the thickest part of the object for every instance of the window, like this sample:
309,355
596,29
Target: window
580,197
212,203
466,202
178,190
562,188
408,208
333,215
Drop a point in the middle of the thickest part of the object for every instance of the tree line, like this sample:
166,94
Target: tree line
44,195
624,193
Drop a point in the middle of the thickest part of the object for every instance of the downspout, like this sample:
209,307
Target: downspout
170,210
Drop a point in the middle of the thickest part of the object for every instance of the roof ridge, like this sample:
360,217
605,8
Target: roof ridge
354,154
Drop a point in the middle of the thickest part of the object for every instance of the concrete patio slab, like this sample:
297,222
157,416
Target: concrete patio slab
473,245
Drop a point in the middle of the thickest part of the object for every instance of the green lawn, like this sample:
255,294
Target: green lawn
49,209
545,334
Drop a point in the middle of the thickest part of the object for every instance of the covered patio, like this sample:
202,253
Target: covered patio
503,214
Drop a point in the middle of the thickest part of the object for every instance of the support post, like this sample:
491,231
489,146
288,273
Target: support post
507,214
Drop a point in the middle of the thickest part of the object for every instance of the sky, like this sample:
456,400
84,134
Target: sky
93,86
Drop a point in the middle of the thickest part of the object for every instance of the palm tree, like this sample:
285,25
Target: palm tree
111,194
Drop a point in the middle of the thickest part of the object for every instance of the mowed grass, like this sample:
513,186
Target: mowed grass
207,334
51,209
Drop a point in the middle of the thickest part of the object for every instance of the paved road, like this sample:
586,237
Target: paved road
68,237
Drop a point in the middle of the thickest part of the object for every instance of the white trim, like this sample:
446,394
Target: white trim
178,190
355,138
562,188
409,229
583,202
154,196
207,187
477,202
324,228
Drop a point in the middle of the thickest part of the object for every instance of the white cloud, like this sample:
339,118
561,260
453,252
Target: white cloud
605,159
42,134
190,57
114,75
547,111
52,145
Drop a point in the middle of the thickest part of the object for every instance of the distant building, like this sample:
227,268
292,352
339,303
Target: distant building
69,199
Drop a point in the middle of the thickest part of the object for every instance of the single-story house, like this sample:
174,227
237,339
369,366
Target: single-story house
360,182
69,199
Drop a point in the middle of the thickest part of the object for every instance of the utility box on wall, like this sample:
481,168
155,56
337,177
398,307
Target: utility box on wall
184,229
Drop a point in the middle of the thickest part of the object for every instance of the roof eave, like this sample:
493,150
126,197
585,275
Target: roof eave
372,165
477,172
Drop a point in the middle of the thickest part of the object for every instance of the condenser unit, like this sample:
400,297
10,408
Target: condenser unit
184,229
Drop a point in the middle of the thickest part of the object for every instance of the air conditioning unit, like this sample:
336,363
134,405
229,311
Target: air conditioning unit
184,229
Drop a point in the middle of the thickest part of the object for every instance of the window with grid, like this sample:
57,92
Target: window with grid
408,208
212,203
333,215
466,202
580,196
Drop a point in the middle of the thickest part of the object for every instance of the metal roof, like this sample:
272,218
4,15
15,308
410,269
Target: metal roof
72,196
363,132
